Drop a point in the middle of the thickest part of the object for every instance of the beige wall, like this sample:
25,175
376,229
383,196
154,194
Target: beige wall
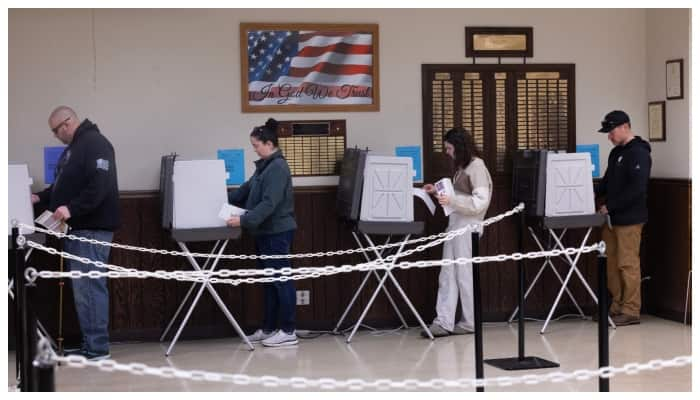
158,81
668,38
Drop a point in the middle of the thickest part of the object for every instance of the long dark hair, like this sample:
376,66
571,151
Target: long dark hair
463,142
267,132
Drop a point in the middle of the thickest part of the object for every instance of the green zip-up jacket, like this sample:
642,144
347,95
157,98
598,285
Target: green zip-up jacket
268,197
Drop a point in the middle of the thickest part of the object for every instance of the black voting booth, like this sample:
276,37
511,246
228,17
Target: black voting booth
219,235
348,206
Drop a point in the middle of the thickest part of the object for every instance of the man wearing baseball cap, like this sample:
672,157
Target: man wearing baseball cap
623,197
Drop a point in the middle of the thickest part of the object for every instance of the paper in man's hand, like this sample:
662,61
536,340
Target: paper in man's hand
47,220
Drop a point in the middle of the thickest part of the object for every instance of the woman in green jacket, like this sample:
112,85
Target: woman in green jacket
269,198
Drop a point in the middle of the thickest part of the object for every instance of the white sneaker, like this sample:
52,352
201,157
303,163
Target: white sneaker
260,335
280,339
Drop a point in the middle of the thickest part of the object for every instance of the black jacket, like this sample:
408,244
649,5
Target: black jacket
626,181
268,196
86,181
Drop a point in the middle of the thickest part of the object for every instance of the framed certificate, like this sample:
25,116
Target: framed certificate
674,79
657,121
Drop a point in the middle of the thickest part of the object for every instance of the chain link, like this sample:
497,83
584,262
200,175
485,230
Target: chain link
360,384
286,273
461,231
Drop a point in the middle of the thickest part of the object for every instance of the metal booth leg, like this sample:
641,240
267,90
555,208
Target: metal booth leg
364,282
212,291
403,294
187,296
578,273
547,262
374,295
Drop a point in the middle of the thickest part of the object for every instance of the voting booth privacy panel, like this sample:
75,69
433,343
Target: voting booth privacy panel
199,191
350,184
387,189
19,197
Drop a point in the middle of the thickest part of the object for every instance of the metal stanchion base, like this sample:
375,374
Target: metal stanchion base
515,363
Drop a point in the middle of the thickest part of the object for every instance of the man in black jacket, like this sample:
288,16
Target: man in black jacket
624,192
85,195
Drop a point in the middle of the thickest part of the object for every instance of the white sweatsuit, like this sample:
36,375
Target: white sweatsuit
473,187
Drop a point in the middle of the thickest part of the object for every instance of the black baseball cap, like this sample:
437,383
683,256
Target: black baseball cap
612,120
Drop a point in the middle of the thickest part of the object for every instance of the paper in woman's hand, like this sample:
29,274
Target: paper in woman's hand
227,211
444,187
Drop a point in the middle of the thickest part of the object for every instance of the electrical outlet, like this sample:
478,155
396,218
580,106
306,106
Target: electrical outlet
303,297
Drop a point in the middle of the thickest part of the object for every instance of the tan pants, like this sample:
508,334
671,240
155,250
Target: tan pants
624,274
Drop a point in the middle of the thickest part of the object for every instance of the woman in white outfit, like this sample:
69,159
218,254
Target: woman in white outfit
473,187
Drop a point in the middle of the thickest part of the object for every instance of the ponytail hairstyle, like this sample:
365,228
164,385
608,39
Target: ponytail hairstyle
267,132
465,148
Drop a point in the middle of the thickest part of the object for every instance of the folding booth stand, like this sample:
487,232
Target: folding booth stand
221,236
366,229
550,227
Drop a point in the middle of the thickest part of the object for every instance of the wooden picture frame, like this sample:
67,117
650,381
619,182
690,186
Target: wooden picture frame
309,67
498,41
657,121
674,79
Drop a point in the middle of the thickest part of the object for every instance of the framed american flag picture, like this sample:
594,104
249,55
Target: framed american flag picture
309,67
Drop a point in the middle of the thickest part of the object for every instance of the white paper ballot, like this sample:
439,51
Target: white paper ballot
47,220
426,199
444,186
227,211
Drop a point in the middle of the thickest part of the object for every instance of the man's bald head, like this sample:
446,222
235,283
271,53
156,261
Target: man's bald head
63,122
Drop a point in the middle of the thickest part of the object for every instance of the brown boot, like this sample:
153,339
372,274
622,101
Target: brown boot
624,319
594,316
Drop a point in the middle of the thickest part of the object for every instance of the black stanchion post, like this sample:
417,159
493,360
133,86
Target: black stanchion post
478,340
45,376
31,336
521,292
521,361
603,348
21,308
18,312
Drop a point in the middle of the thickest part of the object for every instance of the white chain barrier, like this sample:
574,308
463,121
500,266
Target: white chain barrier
286,273
442,235
377,384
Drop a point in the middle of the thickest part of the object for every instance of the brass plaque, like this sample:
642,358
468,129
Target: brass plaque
542,75
500,42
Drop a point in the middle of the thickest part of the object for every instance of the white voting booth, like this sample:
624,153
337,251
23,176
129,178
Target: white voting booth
19,197
568,204
387,190
386,209
197,193
20,209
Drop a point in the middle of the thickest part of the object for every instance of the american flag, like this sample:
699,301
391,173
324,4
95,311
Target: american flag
309,67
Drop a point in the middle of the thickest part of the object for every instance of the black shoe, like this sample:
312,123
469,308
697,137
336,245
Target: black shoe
73,352
90,356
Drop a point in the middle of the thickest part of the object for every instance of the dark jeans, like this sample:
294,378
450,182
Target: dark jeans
91,295
280,297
